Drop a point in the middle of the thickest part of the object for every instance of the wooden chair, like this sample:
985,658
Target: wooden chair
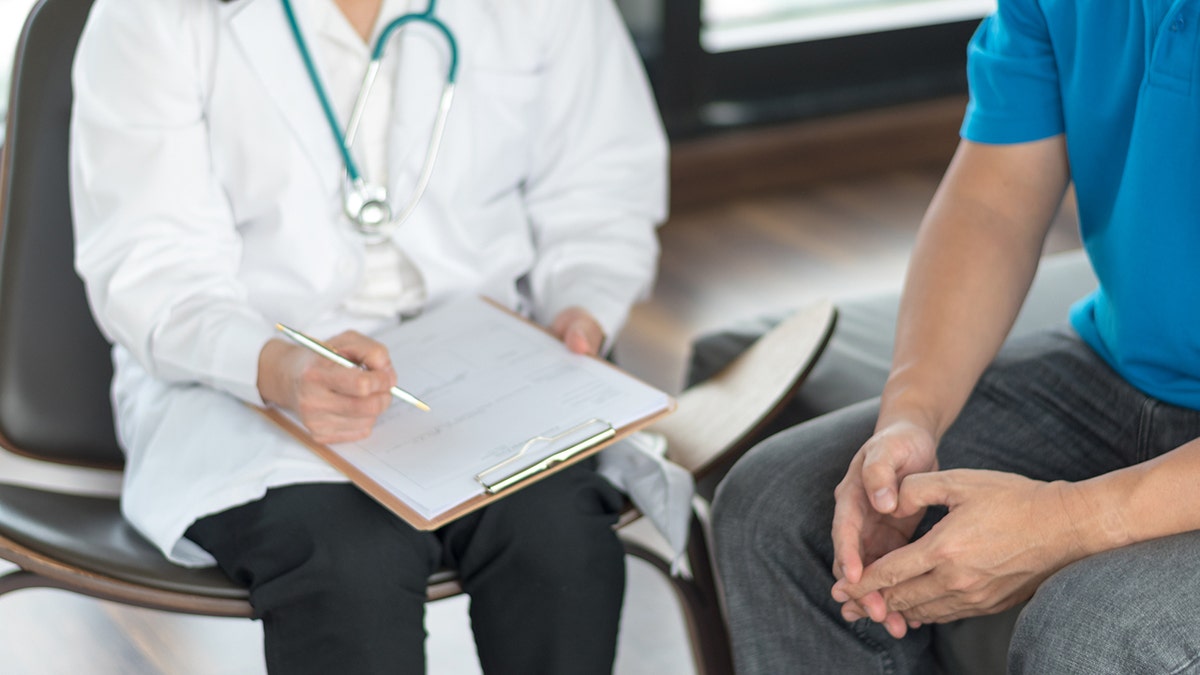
55,369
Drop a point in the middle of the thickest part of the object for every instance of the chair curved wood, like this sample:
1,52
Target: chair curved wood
55,371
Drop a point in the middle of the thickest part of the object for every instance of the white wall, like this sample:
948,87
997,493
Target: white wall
12,18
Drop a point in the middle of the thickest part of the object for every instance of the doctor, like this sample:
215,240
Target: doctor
214,194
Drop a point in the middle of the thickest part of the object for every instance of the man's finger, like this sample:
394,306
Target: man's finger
847,538
921,490
896,625
880,468
905,596
899,566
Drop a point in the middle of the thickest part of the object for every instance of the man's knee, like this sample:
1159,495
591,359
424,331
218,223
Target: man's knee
1109,613
791,476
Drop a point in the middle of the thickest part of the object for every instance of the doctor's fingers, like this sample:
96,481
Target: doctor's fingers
583,338
362,349
579,330
325,375
317,402
335,429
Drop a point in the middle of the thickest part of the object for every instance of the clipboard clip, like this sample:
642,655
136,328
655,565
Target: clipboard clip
604,432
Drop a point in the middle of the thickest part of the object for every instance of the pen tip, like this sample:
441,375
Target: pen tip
423,406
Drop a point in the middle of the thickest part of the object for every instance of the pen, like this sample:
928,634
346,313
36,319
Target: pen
331,354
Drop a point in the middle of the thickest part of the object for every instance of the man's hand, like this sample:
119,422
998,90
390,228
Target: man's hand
1003,536
336,404
578,330
865,525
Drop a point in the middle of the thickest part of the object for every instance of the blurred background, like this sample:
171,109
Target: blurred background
718,64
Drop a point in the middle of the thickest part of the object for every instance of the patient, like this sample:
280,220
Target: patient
1059,470
209,201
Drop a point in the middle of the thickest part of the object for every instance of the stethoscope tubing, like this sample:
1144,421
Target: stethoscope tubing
353,176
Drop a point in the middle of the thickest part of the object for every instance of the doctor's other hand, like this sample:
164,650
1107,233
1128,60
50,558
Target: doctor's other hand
866,526
579,330
336,404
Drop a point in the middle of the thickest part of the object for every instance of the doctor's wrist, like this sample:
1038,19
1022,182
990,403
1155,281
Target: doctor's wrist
273,385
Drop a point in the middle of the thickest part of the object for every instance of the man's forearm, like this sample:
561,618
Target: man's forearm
1146,501
972,266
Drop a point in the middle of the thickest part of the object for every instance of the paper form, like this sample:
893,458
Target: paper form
493,382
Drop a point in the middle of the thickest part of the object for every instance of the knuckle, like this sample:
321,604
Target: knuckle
888,578
310,374
876,472
977,597
918,614
944,551
898,603
840,491
362,385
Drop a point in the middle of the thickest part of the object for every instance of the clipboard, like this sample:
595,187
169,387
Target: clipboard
510,405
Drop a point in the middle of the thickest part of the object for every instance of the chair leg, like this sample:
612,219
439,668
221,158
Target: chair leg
700,601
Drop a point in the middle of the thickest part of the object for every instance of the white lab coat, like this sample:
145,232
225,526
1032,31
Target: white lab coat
205,188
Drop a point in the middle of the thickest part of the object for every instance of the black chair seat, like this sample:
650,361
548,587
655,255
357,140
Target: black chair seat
89,533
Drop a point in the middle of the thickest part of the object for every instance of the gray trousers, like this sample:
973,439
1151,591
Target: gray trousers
1049,409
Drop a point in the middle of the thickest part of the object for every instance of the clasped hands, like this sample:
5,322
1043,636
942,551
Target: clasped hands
1004,534
338,404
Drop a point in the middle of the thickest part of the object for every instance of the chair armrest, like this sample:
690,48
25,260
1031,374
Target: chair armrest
718,419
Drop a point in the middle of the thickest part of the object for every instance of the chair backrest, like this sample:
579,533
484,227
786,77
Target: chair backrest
55,367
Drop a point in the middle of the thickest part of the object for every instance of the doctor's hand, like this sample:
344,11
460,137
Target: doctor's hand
579,330
337,404
866,525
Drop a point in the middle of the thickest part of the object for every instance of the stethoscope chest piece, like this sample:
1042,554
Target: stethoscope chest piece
368,209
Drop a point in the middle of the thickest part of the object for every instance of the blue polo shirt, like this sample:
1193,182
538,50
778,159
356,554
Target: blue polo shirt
1120,79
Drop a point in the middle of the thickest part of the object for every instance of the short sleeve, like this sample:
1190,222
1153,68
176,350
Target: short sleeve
1013,78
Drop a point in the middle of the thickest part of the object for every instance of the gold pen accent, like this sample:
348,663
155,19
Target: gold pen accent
332,354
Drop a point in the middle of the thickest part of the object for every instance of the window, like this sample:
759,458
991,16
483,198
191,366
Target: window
730,25
726,63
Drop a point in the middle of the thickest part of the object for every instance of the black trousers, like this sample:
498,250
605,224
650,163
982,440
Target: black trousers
340,582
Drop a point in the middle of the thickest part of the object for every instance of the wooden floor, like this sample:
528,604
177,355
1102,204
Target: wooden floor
762,222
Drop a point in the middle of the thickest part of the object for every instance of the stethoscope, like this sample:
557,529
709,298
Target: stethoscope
366,203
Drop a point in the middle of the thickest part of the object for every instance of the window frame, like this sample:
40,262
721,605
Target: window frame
701,92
